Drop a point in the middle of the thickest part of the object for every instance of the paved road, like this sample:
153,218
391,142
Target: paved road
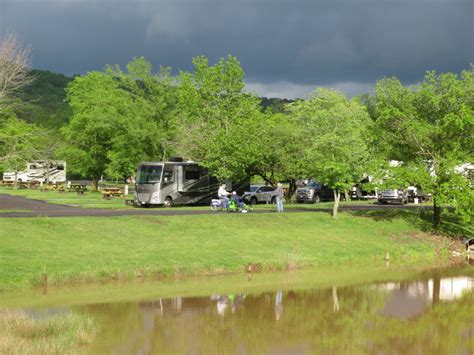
37,208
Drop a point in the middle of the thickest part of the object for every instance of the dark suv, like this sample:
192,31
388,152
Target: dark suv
314,192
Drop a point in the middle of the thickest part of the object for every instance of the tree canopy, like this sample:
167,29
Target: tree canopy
118,120
219,122
335,132
430,127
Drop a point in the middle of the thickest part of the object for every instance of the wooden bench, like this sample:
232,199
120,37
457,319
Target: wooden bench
109,192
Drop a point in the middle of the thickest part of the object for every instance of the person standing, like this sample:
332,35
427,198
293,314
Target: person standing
279,197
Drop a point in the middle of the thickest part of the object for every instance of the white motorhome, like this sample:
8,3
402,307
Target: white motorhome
40,171
168,183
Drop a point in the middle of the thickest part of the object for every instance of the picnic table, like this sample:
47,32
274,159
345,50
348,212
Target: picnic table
79,188
109,192
33,185
54,186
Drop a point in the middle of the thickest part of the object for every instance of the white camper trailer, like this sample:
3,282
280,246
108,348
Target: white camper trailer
40,171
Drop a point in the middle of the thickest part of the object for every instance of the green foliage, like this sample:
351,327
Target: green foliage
430,127
280,149
20,142
43,102
335,135
119,119
219,122
274,104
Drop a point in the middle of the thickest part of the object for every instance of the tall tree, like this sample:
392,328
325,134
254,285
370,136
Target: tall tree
14,66
431,126
219,121
20,143
119,119
280,150
335,134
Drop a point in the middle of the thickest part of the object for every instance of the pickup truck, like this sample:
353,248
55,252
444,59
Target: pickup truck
314,192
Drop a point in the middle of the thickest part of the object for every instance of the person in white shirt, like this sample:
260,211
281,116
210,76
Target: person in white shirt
223,194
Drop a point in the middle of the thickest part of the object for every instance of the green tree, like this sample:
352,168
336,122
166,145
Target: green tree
335,134
219,122
280,151
119,119
20,143
430,127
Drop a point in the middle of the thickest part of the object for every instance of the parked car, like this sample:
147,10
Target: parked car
260,194
314,192
399,196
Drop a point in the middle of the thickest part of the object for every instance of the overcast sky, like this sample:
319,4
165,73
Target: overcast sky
286,47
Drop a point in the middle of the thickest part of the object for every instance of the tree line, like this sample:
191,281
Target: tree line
119,117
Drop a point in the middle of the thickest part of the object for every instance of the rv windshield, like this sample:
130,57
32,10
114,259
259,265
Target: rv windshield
149,174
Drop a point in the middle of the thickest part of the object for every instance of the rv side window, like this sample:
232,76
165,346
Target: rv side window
168,177
191,175
60,167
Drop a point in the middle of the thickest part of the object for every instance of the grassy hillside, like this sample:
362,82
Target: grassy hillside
90,249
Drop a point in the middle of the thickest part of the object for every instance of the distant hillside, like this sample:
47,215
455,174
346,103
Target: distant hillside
44,100
275,104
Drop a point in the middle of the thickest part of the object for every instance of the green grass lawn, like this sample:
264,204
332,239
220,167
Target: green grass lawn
87,249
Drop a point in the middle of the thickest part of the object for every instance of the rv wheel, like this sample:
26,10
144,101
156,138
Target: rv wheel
316,199
168,202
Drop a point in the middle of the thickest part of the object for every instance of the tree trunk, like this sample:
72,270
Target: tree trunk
291,190
335,300
47,172
15,183
336,203
436,214
436,289
346,195
94,184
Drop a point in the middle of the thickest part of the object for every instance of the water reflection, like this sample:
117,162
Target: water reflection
411,299
433,315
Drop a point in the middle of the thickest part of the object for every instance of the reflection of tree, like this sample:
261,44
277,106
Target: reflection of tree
444,329
307,325
436,289
335,301
308,318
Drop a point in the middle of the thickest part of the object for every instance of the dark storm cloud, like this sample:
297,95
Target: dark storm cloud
285,47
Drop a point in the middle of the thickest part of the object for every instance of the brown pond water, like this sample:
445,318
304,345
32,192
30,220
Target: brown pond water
430,312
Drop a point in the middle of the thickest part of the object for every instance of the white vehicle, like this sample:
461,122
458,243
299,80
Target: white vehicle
398,196
40,171
260,194
168,183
